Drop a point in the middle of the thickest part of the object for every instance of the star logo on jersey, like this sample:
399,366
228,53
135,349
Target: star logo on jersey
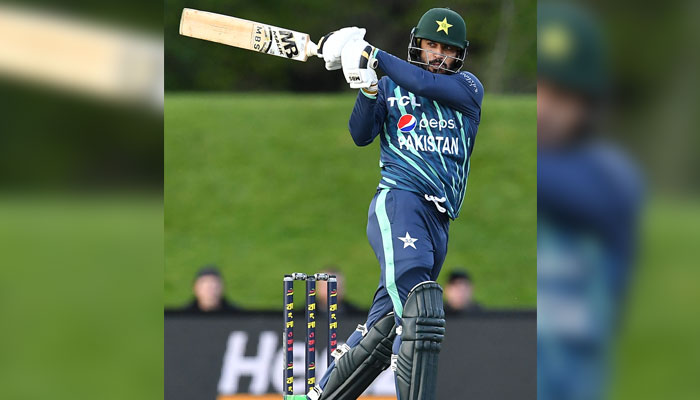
408,241
443,26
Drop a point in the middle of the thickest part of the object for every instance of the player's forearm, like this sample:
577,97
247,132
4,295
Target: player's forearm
362,123
415,79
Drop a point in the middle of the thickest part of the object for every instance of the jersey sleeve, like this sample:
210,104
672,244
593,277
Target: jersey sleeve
367,117
461,91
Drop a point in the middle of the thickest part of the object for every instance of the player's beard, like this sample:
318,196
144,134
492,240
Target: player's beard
434,66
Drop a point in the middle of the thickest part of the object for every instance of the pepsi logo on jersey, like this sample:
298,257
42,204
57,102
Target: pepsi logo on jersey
406,123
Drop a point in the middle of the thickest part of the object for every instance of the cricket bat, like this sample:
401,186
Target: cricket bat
246,34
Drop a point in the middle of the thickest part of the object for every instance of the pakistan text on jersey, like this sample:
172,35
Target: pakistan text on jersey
445,145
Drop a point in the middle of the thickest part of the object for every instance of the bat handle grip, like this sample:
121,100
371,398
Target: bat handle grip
311,49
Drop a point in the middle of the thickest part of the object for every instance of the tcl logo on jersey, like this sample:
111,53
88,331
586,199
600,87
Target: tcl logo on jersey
406,123
403,101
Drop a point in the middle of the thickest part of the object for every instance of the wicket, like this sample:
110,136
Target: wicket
288,335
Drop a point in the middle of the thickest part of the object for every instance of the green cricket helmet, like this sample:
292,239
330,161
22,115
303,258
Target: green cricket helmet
444,26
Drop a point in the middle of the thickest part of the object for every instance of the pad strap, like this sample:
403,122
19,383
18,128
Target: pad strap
357,368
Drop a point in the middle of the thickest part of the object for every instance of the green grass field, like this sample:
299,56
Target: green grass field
658,354
263,184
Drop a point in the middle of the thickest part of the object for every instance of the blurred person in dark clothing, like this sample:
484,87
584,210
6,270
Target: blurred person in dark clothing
459,293
588,200
344,307
208,289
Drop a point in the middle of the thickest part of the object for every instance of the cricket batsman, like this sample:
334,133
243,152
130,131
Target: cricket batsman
425,113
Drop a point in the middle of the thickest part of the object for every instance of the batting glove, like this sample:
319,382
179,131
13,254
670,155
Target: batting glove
359,60
331,45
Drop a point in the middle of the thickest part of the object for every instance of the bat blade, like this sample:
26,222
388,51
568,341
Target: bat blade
246,34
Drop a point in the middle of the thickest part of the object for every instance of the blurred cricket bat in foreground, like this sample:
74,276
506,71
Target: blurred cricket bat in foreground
246,34
69,53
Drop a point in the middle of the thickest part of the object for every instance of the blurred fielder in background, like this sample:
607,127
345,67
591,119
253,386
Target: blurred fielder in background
588,196
426,114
